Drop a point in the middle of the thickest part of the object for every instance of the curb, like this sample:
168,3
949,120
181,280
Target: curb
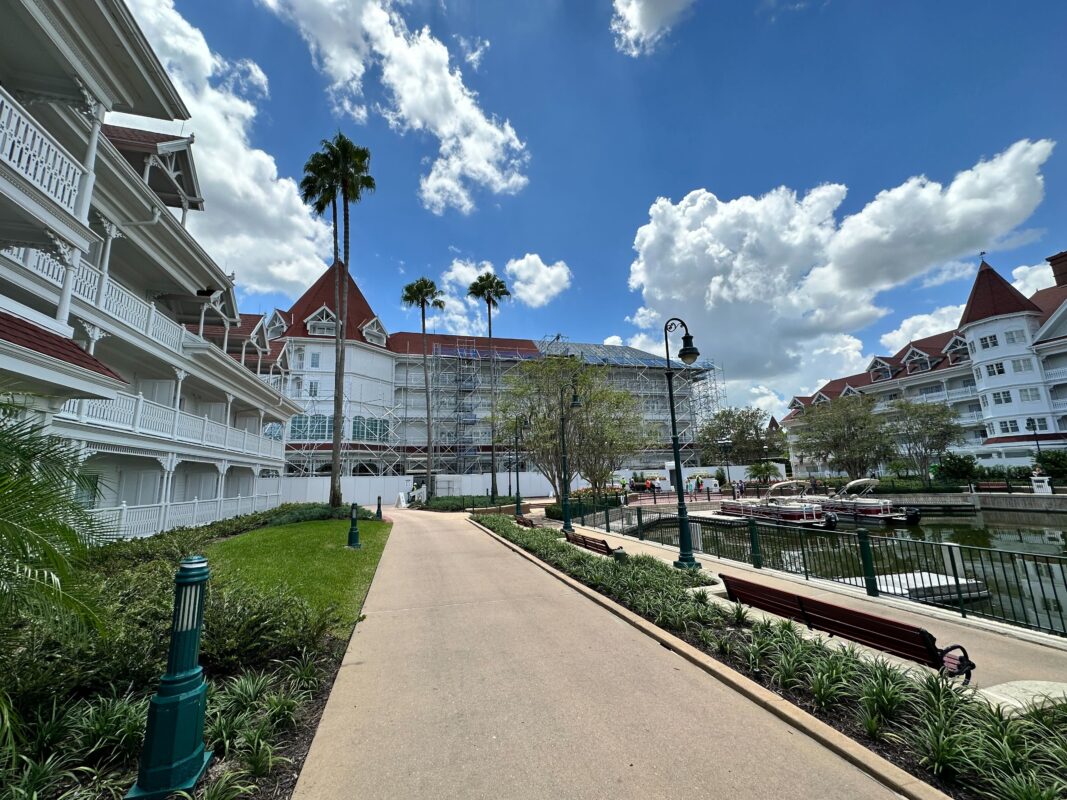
883,771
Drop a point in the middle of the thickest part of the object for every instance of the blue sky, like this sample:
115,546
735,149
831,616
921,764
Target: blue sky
550,128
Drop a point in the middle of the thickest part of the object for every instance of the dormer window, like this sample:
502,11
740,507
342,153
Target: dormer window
374,333
322,323
880,370
917,361
957,351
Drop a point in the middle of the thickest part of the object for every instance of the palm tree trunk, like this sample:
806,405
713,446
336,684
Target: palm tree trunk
338,347
492,408
429,419
339,364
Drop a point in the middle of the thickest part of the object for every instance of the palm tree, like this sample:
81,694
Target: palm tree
491,289
425,294
340,168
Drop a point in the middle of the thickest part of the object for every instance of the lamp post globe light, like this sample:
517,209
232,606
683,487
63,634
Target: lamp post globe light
687,355
521,422
564,476
1031,426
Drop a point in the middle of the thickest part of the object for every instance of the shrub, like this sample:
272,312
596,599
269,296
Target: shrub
957,467
463,502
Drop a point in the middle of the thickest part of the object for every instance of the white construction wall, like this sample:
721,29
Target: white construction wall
365,490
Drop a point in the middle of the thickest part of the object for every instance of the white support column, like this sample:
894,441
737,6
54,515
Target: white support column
95,113
255,485
223,468
111,232
180,375
225,334
169,463
262,413
70,257
94,333
229,407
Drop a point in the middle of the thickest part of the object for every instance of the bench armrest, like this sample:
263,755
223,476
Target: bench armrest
955,666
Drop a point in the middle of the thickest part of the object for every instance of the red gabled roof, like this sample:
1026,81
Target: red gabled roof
992,296
24,333
321,294
244,329
412,343
931,345
136,137
1048,300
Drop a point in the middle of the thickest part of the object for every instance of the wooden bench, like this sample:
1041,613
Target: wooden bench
596,545
991,486
890,636
522,522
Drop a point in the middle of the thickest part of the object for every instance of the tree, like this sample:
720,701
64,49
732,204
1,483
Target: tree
1052,462
600,435
923,431
764,471
490,289
424,293
748,431
341,168
845,434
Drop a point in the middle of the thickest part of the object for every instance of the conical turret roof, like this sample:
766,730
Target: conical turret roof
992,296
321,293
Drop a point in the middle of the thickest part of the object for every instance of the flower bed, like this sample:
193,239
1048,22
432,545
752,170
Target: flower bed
78,691
936,729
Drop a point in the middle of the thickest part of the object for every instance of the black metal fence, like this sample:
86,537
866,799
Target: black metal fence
1025,589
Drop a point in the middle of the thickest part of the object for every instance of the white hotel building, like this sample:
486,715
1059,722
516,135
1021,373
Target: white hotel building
104,294
1003,369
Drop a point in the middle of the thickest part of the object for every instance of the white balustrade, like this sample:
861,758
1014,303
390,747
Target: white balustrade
34,154
1060,373
962,394
132,522
1059,405
135,413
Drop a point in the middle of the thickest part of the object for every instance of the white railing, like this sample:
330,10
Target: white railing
135,413
928,397
1057,374
33,153
134,522
1059,405
971,416
962,394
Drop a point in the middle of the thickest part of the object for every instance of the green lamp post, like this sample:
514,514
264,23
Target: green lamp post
173,756
687,355
565,492
520,423
353,529
378,513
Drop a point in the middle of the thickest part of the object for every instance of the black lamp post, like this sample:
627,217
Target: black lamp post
687,355
1031,426
565,489
725,445
520,423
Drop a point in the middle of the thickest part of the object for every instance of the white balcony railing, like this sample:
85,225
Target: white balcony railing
970,416
962,394
136,414
36,155
1059,405
1058,374
132,522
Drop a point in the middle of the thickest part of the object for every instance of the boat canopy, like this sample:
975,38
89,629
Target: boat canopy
859,486
781,485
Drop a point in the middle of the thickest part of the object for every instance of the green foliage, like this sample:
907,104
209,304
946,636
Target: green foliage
958,467
846,435
1053,463
463,502
720,476
923,431
740,435
764,471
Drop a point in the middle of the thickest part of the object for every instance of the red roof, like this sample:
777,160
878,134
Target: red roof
33,337
412,343
992,296
1025,437
138,138
321,294
1048,300
244,329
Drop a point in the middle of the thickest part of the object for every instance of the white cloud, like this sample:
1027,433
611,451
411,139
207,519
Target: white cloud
949,272
473,50
253,221
535,283
919,326
773,287
644,318
650,344
1029,279
424,93
615,340
462,315
640,25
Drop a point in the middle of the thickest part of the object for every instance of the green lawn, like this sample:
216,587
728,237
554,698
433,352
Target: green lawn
308,558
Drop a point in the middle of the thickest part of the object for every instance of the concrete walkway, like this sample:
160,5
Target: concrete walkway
478,675
1000,651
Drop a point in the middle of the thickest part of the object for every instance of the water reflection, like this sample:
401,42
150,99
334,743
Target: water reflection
1040,534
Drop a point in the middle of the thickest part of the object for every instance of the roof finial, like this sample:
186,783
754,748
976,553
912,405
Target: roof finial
981,255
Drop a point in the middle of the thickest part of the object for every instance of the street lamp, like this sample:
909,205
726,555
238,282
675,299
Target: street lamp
520,422
687,355
725,445
1031,426
564,477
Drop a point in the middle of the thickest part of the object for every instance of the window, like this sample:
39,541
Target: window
996,368
985,401
977,374
1001,398
315,428
1015,337
1022,365
314,360
990,430
1040,423
321,323
989,342
1009,426
971,347
313,388
1029,395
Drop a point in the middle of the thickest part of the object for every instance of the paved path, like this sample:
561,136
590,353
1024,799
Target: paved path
1000,656
478,675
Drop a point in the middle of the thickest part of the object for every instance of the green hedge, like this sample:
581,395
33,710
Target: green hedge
463,502
943,732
